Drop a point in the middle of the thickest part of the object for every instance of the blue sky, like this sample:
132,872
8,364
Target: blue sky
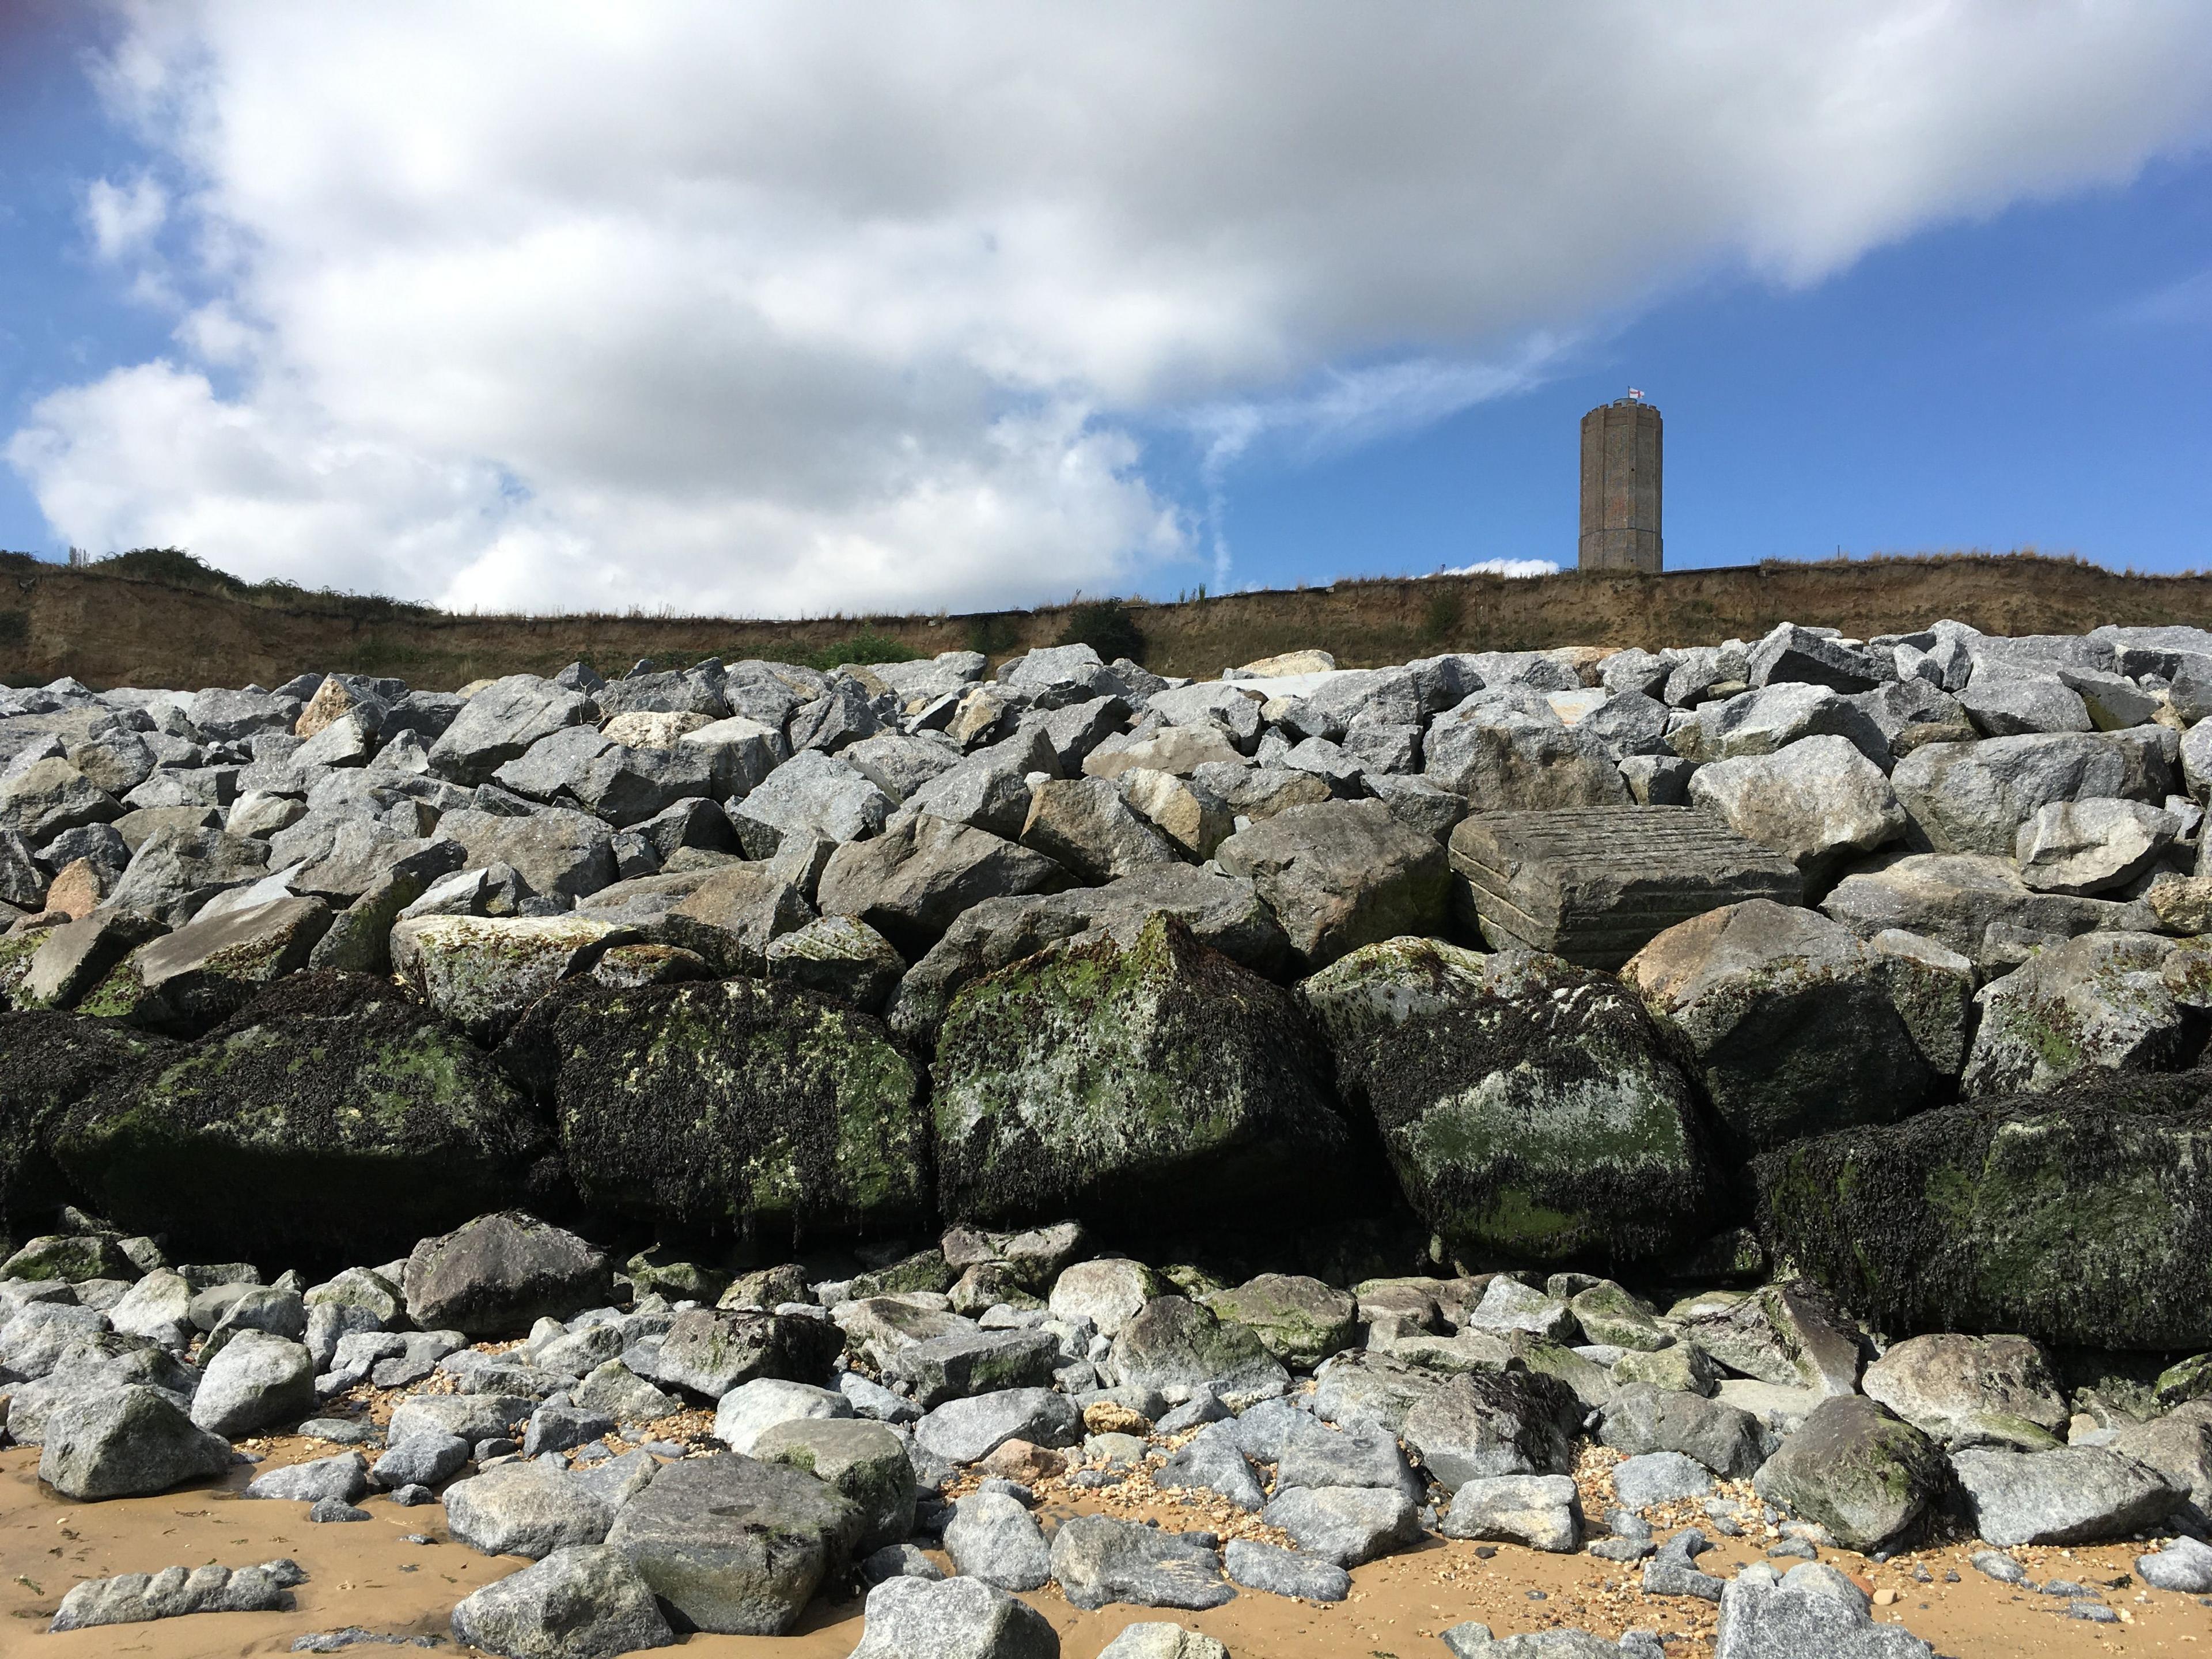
2043,379
365,315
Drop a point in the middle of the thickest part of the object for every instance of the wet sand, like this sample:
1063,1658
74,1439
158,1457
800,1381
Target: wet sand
366,1574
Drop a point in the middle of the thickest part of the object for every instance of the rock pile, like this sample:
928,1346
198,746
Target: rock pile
1843,997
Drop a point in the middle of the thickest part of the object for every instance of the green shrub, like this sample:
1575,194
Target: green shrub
1107,626
860,648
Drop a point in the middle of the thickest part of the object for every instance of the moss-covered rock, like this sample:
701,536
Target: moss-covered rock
2123,1002
1155,1079
49,1062
1302,1321
329,1117
16,950
1532,1110
731,1106
1790,1017
2080,1217
1858,1471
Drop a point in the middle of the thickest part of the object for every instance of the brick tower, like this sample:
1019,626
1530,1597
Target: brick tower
1621,453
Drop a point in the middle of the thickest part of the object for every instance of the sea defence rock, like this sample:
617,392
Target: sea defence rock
1530,1107
739,1103
1095,1078
2070,1217
360,1122
1596,885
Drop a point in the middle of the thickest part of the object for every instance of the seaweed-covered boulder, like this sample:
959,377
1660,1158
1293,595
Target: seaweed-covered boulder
730,1105
330,1117
1158,1078
1531,1108
1790,1018
49,1062
2079,1217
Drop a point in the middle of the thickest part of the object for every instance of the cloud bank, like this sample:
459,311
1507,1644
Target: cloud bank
780,309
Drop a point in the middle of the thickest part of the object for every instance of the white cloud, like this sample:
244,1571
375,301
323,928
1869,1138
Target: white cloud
777,308
123,218
1504,567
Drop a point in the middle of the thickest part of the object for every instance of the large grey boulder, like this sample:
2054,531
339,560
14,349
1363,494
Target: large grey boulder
2009,703
711,1350
1284,1572
2179,1445
128,1442
2092,845
1224,912
1482,1424
501,722
1865,1475
911,883
1790,1018
1100,1077
992,1537
500,1273
257,1380
1818,801
1542,1511
838,957
1967,902
49,796
1811,1609
812,794
1174,1343
740,751
1789,654
1508,750
1973,797
731,917
2072,1495
1346,1526
1211,1460
1785,1334
1341,875
2184,1565
736,1546
963,1362
752,1408
1098,1561
1530,1109
959,1619
1084,825
344,1476
581,1602
1641,1419
176,870
864,1462
1965,1391
1771,718
2121,1001
524,1508
1300,1321
399,1127
558,852
969,1431
207,969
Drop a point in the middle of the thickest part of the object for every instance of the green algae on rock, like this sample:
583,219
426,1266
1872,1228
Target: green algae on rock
48,1063
1096,1079
330,1117
734,1105
1533,1111
2080,1217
